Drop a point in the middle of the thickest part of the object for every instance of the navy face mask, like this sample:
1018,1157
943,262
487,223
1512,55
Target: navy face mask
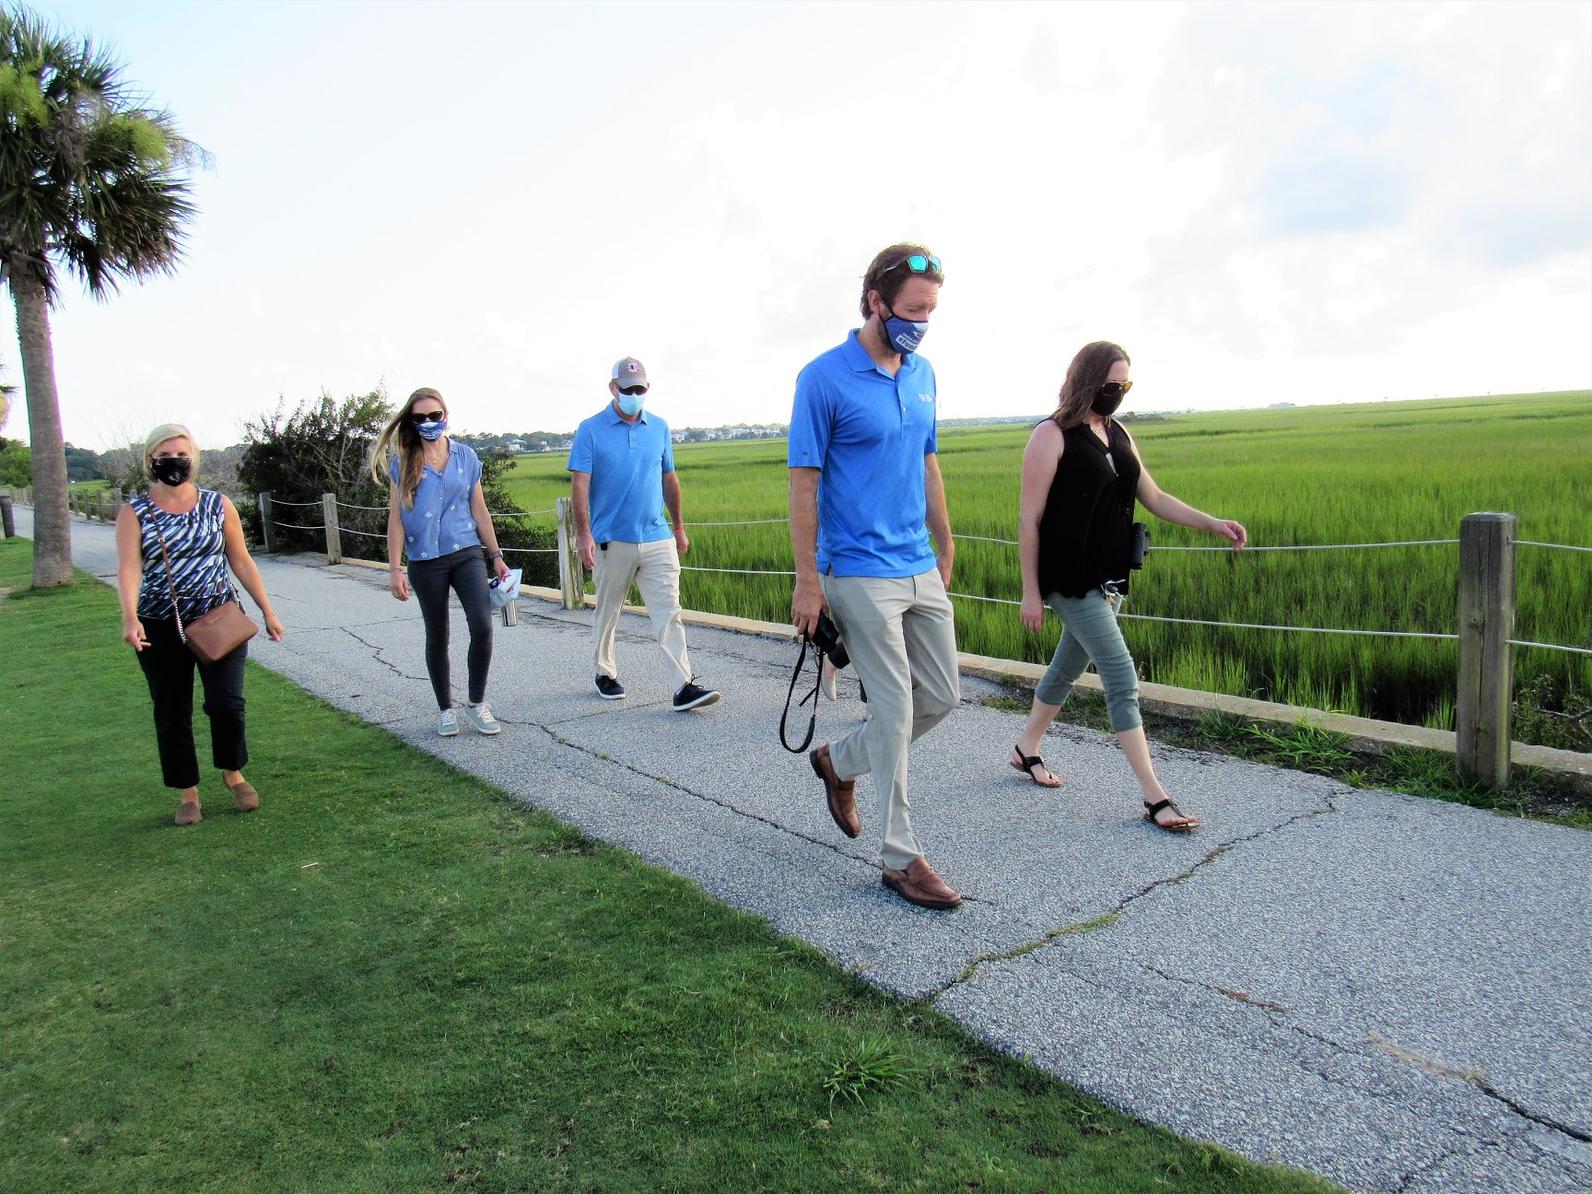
171,470
903,335
431,431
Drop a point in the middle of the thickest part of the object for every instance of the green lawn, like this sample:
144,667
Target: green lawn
394,978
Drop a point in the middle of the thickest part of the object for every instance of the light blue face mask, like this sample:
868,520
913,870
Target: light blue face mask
904,335
631,404
431,431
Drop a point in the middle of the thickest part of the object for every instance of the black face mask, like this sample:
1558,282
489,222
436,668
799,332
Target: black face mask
170,470
1108,397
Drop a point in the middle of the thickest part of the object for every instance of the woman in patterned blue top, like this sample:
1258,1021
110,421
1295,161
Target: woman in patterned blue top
437,515
203,535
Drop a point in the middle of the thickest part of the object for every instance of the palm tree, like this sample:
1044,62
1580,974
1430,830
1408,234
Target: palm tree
90,180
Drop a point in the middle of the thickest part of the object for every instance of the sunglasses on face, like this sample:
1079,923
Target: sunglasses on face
420,418
1114,388
632,391
920,263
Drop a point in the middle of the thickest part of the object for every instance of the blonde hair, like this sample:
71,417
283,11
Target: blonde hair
407,449
163,433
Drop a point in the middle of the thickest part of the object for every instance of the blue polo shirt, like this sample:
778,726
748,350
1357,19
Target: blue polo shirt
441,521
868,432
626,462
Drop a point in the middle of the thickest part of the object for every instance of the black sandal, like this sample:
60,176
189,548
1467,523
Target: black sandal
1029,762
1151,810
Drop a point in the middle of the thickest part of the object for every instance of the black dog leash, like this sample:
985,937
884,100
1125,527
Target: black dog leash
812,722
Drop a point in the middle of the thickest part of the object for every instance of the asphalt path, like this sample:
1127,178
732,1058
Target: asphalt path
1388,991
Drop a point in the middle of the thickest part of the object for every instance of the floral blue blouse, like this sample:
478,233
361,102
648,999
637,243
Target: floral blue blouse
440,522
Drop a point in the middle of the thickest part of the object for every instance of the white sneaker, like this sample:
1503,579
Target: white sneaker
447,723
481,719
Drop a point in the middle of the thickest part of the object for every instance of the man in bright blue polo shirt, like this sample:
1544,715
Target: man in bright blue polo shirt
865,494
622,469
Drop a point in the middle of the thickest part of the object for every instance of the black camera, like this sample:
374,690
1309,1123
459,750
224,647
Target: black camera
826,637
1141,545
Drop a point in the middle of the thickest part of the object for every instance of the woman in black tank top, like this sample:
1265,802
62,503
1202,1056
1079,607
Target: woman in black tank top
1081,477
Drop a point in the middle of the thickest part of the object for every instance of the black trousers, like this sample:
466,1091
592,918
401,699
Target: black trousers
465,573
168,667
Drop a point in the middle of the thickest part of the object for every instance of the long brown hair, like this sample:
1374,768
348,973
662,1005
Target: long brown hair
407,448
1086,374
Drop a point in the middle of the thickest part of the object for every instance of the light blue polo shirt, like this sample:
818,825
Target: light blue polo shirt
441,522
626,462
869,433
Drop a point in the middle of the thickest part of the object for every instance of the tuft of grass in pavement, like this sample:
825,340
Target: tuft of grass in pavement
392,977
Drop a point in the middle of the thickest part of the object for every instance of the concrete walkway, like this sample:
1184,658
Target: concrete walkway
1388,991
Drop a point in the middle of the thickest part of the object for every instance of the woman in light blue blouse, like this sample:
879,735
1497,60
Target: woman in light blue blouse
437,516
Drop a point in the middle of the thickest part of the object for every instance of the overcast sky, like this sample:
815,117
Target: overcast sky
1263,203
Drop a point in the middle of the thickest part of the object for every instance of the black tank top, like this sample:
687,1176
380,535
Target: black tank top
1086,534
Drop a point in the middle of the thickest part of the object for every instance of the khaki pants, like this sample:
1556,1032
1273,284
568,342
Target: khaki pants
654,568
901,636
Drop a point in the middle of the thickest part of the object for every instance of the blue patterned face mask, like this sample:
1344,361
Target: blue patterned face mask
904,335
431,430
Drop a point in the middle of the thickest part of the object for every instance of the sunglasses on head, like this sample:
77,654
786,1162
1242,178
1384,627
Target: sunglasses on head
428,416
919,263
632,391
1113,388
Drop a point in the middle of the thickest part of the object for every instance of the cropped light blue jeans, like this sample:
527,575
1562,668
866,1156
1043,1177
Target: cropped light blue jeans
1090,634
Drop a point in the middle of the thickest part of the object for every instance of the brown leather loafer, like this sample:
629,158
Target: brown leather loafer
921,884
244,798
188,813
842,805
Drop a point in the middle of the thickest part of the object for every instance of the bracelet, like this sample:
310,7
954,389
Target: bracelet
495,555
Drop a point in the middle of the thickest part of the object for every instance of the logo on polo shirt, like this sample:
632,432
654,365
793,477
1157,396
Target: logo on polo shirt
925,397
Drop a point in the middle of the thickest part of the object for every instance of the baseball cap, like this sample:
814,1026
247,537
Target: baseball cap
630,372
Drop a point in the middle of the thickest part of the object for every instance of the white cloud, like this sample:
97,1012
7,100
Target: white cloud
1348,200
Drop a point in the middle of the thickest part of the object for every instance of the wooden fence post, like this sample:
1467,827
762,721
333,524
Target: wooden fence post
8,522
267,531
1486,624
334,536
571,576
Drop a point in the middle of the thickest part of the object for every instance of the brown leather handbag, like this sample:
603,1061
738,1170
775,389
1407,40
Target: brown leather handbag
218,633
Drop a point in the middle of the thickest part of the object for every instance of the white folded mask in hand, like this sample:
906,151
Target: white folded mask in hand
506,590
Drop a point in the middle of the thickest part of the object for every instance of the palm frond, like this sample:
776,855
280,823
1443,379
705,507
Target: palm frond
92,178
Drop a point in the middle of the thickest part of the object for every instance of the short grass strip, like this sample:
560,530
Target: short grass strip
392,977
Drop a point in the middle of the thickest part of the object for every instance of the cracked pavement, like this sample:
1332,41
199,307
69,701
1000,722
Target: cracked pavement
1388,991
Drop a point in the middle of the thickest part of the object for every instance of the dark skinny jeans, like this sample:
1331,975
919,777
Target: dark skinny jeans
168,667
465,573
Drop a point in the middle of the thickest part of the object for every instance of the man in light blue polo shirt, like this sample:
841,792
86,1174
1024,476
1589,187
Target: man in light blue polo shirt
865,495
622,470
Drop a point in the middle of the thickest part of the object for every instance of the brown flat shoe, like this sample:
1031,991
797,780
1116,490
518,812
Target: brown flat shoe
188,813
842,805
244,798
921,884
